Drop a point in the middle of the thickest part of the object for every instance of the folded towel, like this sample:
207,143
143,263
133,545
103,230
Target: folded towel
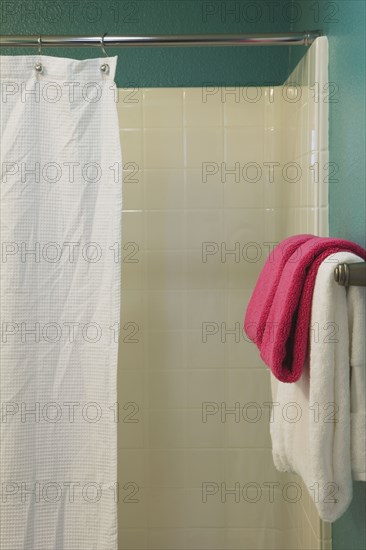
317,417
267,283
278,320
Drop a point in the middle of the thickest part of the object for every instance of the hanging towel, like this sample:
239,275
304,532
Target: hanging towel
279,321
260,303
318,420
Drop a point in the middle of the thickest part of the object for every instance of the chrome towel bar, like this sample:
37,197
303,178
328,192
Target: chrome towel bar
351,274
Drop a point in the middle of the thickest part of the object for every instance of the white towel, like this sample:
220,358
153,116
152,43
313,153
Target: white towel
357,326
311,428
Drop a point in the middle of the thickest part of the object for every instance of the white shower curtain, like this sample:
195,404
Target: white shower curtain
60,293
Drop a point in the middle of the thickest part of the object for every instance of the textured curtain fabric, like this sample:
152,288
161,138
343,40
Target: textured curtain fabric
60,294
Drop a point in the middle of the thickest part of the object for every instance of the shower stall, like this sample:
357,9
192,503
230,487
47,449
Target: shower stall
214,177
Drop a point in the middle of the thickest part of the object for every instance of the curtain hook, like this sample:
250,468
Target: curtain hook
105,67
39,66
102,44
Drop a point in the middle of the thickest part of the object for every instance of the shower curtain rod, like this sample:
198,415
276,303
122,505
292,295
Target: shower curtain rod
304,38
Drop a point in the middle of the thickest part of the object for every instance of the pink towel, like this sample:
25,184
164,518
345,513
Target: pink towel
267,283
278,314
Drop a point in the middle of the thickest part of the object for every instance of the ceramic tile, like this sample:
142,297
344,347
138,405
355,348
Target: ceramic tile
132,539
166,467
132,146
166,539
203,107
163,147
204,188
163,189
167,389
244,106
203,145
162,107
202,207
244,145
205,539
129,107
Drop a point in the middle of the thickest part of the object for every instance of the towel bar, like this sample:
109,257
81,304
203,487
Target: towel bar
351,274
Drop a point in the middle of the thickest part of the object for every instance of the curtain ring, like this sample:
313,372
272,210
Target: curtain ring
104,67
39,67
102,44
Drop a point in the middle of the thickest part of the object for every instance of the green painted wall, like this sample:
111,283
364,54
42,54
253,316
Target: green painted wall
158,66
344,24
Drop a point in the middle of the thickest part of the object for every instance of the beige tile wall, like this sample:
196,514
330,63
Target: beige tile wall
202,203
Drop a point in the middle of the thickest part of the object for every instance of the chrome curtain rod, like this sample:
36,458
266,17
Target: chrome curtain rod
304,38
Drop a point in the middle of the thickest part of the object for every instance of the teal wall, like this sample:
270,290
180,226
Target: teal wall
342,21
344,24
161,66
